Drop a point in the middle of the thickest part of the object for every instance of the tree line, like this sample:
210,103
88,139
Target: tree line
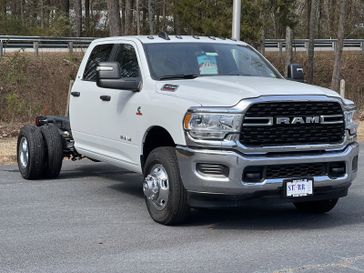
261,19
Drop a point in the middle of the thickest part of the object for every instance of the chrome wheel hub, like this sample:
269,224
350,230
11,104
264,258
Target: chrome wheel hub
23,152
156,186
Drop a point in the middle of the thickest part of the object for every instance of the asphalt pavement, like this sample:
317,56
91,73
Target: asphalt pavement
92,219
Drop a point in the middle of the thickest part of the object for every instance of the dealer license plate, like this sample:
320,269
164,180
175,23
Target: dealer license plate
299,187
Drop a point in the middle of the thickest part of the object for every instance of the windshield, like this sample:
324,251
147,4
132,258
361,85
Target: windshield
190,60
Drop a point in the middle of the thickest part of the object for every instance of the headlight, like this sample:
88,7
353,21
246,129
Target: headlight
214,126
349,118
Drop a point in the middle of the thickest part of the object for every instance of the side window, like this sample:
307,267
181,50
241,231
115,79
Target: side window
100,53
125,55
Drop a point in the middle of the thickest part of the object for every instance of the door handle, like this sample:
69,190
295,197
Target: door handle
105,98
75,94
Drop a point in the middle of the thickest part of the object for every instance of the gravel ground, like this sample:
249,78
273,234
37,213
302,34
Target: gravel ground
7,150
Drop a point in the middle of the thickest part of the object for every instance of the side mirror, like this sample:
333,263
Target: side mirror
108,76
295,73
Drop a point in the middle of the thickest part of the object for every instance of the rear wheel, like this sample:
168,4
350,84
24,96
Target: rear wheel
54,150
321,206
165,196
30,152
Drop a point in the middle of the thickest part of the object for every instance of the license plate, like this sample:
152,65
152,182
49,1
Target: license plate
299,187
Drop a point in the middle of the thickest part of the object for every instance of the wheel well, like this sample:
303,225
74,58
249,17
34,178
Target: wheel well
156,137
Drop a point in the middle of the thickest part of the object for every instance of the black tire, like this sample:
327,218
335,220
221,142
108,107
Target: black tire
176,209
321,206
54,150
31,166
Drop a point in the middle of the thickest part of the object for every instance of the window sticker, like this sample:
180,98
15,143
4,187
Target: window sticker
211,54
207,63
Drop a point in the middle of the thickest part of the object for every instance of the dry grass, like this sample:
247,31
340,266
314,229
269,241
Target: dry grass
31,86
361,131
8,151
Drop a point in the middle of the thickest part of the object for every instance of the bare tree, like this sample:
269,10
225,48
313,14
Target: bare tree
151,15
176,19
308,16
114,17
15,8
288,57
164,15
156,17
144,16
128,17
332,16
78,12
137,17
335,82
87,16
42,15
2,6
65,6
262,14
311,43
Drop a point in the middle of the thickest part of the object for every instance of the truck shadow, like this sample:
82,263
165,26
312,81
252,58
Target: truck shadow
272,217
101,170
124,181
252,216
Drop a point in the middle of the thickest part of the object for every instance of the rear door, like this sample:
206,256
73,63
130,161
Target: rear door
86,108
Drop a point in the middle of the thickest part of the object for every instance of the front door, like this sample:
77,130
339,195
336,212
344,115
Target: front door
103,120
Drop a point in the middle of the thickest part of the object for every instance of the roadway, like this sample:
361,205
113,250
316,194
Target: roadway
93,220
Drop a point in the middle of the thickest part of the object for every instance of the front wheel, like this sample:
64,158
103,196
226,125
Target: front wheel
165,196
321,206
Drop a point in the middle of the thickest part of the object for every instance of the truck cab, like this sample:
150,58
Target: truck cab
208,122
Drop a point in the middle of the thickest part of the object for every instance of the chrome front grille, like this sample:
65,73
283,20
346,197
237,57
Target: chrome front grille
293,123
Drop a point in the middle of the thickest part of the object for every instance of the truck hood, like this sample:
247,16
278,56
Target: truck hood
229,90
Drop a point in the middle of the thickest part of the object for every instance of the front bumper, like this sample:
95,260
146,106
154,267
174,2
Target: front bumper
233,184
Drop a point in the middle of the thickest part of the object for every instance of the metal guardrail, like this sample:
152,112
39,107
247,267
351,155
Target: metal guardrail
329,44
71,43
38,42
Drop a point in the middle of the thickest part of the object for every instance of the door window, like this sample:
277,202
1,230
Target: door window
99,54
126,57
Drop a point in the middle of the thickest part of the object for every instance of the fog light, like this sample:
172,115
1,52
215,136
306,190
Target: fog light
337,169
253,174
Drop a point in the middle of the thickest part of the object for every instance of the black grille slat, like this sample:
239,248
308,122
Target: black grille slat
296,170
293,134
294,109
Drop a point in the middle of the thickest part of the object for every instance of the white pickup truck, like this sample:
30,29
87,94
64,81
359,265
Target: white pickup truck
209,122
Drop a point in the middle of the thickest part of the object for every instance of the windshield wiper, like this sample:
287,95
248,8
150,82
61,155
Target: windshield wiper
178,76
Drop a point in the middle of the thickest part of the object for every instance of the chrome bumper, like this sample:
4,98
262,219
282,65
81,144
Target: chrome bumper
233,184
